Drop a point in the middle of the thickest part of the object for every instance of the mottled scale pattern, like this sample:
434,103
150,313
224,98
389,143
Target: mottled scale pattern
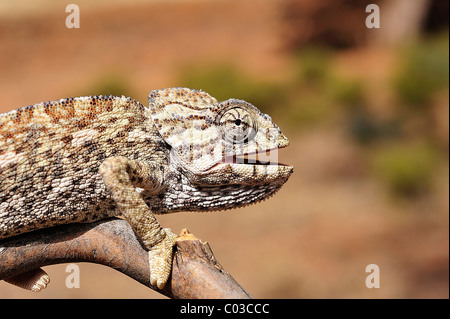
50,154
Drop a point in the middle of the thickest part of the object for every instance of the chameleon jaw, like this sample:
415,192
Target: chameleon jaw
256,158
242,170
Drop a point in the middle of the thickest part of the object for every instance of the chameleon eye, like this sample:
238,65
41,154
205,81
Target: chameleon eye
237,125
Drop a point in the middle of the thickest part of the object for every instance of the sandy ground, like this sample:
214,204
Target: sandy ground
315,238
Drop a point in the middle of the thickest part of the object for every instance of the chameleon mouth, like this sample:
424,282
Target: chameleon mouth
267,157
246,169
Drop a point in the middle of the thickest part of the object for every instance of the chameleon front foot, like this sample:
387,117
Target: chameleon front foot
34,280
160,259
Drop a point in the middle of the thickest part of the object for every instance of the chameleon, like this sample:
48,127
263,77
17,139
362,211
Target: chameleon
82,159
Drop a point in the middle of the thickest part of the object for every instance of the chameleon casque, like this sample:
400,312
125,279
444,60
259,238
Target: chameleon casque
78,160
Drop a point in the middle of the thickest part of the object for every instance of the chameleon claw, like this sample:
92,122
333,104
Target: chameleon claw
160,259
34,280
41,283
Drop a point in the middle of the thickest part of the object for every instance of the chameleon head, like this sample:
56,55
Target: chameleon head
218,146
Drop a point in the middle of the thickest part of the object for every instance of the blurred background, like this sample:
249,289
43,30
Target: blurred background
366,111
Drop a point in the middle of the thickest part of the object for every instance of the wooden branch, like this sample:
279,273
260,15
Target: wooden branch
112,242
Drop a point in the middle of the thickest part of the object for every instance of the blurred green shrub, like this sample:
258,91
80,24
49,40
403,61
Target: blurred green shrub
406,169
312,66
366,128
363,127
424,70
306,109
314,92
347,93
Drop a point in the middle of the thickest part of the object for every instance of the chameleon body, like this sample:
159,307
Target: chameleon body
88,158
